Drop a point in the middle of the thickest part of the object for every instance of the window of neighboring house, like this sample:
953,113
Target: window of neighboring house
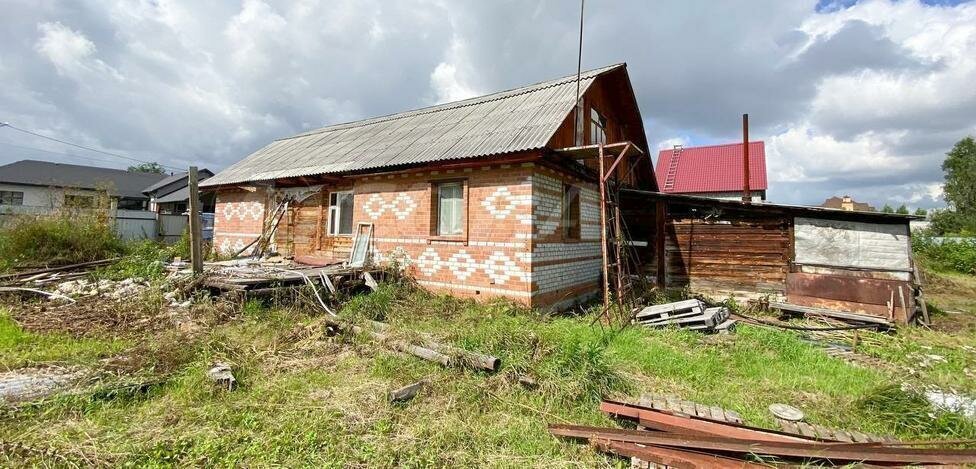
340,213
450,208
598,127
131,204
571,212
79,201
11,198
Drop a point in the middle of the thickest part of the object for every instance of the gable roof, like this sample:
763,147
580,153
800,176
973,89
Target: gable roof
201,174
510,121
45,173
715,168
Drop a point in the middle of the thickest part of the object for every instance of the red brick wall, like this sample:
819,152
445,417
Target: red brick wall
512,243
238,218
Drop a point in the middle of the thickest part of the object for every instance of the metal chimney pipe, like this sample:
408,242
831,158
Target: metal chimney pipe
746,193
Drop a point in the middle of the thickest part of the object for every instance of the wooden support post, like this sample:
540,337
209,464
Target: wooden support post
196,231
603,233
660,236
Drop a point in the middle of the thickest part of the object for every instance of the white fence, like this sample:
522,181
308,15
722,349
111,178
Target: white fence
129,224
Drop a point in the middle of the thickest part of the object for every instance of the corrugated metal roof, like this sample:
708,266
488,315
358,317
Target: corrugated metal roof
510,121
716,168
201,174
45,173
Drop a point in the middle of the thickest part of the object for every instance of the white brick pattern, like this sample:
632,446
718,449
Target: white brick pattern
546,203
500,268
501,203
242,210
402,206
563,275
462,265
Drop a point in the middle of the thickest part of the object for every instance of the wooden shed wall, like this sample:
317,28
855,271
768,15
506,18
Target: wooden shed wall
740,253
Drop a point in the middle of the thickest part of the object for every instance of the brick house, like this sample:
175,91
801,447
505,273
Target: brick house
477,197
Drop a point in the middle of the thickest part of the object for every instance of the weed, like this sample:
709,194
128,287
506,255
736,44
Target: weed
957,255
908,411
47,241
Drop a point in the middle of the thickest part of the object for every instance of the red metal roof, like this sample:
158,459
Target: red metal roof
716,168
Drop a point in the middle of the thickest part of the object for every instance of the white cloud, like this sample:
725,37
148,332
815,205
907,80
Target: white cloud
865,99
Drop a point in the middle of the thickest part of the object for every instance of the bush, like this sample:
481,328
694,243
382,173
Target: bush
45,242
946,254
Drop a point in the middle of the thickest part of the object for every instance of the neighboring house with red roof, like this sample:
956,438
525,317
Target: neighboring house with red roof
712,171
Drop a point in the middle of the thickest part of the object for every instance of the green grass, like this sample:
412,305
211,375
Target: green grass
20,349
310,400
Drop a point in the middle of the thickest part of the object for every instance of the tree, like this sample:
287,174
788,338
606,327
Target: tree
959,190
887,209
960,176
902,210
153,168
921,212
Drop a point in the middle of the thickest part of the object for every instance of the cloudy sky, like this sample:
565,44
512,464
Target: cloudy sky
862,98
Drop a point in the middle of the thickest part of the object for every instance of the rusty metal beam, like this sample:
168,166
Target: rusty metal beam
620,157
691,426
672,457
807,450
603,232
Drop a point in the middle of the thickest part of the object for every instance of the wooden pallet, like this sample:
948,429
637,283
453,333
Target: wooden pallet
824,433
673,404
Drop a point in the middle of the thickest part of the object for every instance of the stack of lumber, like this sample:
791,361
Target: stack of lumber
688,314
681,440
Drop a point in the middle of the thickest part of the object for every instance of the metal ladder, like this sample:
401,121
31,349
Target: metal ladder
672,168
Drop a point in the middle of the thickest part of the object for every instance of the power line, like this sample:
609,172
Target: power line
579,71
89,158
116,155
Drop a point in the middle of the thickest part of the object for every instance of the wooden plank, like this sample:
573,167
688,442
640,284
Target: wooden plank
806,429
826,312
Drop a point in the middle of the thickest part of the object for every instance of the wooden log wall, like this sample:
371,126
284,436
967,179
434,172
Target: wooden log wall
742,252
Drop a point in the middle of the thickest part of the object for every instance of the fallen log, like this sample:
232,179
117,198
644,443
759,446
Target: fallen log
406,393
398,345
471,359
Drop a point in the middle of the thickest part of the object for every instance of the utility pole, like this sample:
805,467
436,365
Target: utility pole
746,192
196,231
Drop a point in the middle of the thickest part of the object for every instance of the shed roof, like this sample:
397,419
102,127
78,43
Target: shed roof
510,121
45,173
715,168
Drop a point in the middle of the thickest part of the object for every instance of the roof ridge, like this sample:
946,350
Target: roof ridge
712,146
459,104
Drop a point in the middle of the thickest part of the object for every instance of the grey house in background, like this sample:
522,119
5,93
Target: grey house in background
171,196
39,187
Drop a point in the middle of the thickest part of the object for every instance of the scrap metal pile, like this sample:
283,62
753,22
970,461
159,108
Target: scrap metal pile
685,440
688,314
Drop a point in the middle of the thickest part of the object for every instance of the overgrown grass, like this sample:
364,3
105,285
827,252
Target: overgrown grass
310,400
44,241
21,349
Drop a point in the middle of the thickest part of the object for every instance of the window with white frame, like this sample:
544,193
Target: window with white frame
11,198
340,213
598,127
450,208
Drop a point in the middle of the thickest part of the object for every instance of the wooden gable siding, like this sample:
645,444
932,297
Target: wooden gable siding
612,96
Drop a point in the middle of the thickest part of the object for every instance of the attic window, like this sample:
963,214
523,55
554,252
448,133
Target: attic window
598,127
